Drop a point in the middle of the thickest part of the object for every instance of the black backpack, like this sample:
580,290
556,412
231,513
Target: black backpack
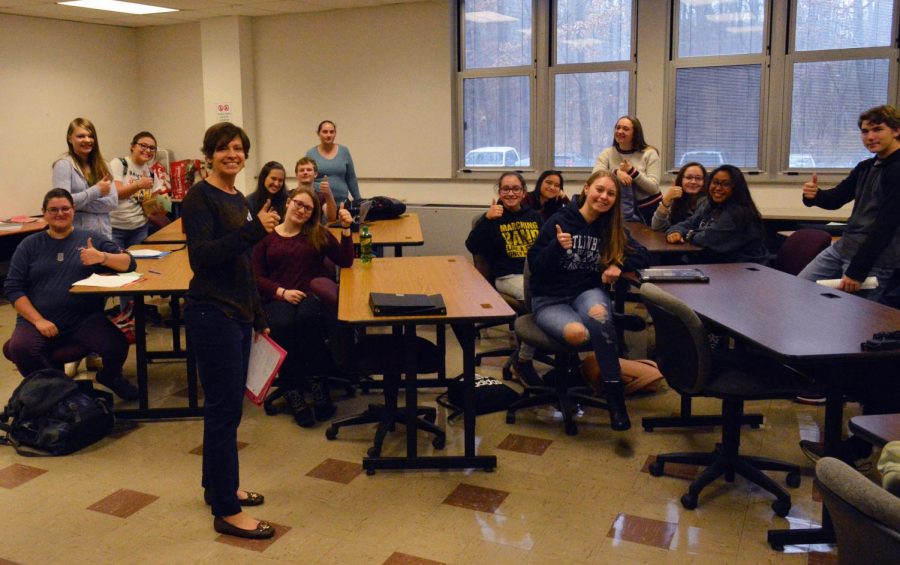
383,208
51,413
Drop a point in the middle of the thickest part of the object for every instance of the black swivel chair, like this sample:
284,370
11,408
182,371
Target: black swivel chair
565,361
484,267
734,376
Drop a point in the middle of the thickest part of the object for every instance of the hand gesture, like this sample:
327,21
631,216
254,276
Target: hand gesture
144,183
564,239
90,255
104,185
675,237
495,211
673,193
624,176
344,216
811,187
849,285
47,328
268,217
325,186
293,296
256,335
611,274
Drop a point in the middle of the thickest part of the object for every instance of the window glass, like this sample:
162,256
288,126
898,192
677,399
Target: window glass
717,115
497,121
720,27
497,33
593,31
587,107
843,24
830,138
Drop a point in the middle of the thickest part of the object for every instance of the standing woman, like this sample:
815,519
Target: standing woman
579,250
548,196
334,161
83,173
637,167
682,198
134,183
222,310
727,225
269,186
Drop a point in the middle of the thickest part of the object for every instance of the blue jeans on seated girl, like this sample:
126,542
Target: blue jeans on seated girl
553,313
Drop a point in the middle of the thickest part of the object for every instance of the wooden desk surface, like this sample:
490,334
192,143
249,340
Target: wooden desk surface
467,294
655,241
170,234
30,227
795,319
876,429
405,230
174,274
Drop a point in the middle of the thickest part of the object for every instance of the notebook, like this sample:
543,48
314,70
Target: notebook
670,275
388,304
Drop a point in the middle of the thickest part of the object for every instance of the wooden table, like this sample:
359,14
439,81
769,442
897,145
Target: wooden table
30,227
877,429
398,232
172,233
469,298
813,328
171,276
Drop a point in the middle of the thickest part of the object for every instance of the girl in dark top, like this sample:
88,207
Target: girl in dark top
682,198
222,309
548,196
579,250
269,186
290,267
727,224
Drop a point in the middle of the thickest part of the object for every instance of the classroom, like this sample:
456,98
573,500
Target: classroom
388,74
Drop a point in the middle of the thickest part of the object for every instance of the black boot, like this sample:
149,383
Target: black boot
322,405
618,414
303,414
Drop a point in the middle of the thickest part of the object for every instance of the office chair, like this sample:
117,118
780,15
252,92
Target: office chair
799,249
733,376
484,267
866,517
565,361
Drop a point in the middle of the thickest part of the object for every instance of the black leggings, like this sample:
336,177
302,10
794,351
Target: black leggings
300,330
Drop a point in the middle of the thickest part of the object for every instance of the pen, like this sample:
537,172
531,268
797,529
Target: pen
155,272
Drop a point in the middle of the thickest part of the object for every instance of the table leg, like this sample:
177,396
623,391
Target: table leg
140,350
409,362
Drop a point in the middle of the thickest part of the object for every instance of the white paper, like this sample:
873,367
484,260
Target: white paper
148,253
868,284
108,281
266,357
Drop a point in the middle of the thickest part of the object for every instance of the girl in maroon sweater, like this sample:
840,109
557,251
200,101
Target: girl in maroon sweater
297,287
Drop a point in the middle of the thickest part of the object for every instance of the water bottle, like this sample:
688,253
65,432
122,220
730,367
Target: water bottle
365,246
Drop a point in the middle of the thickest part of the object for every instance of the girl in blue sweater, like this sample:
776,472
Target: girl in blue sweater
581,249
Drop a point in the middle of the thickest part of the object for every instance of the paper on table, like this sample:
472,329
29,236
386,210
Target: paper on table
108,281
868,284
266,358
148,253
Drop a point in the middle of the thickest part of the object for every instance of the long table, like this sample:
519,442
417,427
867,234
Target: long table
469,298
800,323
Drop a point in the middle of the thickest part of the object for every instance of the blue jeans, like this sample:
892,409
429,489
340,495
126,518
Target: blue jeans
553,313
830,265
221,347
126,238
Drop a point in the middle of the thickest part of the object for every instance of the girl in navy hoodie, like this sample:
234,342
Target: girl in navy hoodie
581,249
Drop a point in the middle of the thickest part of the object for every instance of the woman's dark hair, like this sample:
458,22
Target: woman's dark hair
683,207
313,229
259,197
323,122
512,174
142,134
740,202
638,143
57,193
218,136
551,206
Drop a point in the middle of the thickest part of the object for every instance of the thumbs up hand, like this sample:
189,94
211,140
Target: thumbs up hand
811,187
268,217
495,211
564,239
344,216
91,255
104,185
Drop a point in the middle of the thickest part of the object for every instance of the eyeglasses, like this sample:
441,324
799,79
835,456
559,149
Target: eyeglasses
693,178
302,206
510,189
145,147
720,183
63,210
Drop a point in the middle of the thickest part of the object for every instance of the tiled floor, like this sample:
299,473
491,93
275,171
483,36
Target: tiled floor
553,498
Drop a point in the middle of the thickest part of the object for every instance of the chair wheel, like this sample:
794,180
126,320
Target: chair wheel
331,433
439,442
657,468
792,480
510,417
781,507
370,472
571,429
689,501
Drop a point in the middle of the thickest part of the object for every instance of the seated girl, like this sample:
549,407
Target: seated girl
548,196
580,250
269,186
727,225
682,198
294,281
41,273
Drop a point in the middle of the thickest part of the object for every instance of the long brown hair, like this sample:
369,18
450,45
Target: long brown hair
612,223
95,160
313,230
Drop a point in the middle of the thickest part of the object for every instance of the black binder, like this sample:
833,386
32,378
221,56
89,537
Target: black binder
671,275
387,304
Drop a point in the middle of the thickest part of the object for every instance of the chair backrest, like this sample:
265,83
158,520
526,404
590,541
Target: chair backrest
483,266
799,249
866,517
682,347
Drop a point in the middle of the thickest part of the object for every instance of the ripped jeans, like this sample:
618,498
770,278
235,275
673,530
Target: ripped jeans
553,313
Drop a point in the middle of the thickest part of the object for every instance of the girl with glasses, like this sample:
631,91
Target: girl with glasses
727,225
682,198
135,183
636,165
294,267
547,196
